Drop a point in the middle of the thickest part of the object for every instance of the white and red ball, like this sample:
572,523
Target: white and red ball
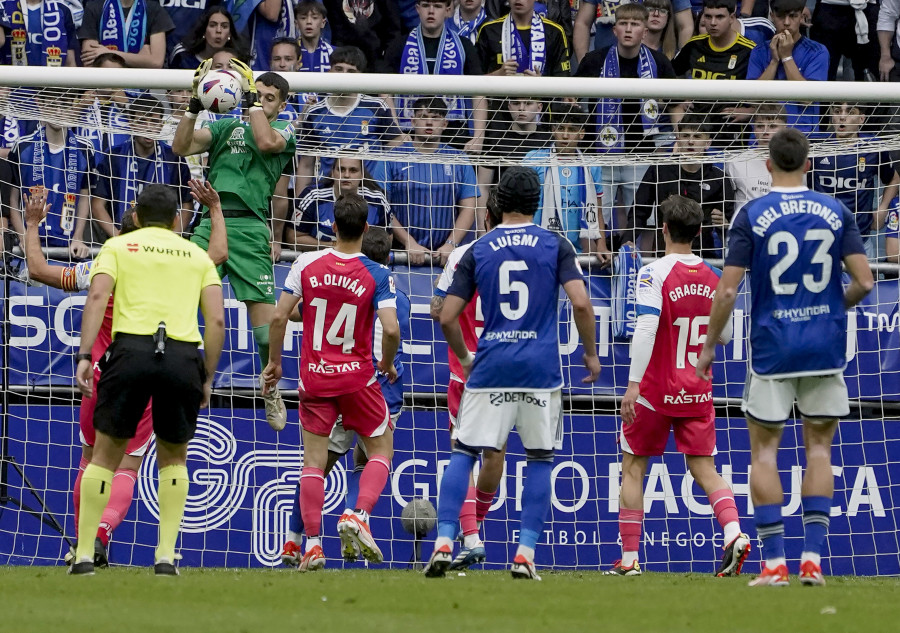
220,91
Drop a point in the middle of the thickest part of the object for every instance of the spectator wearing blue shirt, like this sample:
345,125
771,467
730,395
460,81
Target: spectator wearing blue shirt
315,53
856,173
38,33
570,190
794,57
433,202
346,121
312,225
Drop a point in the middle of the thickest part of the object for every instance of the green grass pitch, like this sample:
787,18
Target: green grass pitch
45,599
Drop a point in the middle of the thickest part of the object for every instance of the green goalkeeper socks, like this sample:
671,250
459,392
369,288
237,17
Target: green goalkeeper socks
261,336
173,490
96,483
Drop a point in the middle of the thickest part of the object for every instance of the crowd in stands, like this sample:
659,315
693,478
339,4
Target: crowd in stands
451,148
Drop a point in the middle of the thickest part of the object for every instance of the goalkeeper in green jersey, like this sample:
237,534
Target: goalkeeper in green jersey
246,160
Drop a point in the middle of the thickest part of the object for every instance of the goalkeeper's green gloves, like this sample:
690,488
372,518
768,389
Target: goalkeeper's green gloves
248,85
195,107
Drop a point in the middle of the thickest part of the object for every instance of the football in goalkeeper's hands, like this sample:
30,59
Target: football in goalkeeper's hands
220,91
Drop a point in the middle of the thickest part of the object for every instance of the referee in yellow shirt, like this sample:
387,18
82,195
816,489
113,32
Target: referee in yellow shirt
159,280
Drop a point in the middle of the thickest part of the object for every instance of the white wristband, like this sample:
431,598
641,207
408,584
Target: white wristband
190,115
255,109
467,360
785,60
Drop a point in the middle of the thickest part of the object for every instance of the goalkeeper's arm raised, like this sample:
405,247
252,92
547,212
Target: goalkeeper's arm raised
188,140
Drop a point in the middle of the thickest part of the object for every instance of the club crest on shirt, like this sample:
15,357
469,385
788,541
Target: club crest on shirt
236,141
364,128
609,136
732,62
861,166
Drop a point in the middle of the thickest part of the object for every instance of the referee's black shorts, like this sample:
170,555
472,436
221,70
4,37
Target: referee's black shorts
132,373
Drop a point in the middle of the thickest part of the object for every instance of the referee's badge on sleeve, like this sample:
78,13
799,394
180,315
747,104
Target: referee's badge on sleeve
391,284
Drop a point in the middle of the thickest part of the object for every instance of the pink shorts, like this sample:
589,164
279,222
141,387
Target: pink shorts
137,445
363,411
648,435
454,397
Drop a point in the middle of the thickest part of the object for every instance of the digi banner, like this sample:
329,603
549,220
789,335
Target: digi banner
45,324
243,477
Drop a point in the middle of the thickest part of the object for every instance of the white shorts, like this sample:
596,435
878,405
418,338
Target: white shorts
341,440
770,401
487,418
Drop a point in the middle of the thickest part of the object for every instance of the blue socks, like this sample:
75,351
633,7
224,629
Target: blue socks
296,522
816,517
770,528
353,487
454,487
536,495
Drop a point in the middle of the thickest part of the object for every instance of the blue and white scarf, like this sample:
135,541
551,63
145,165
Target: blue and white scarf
513,47
451,60
132,187
624,292
121,33
53,28
609,117
468,28
70,160
71,173
320,59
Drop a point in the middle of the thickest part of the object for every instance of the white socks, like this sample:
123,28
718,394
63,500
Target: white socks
732,530
816,558
471,540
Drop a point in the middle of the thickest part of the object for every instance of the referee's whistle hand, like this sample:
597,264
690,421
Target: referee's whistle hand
84,375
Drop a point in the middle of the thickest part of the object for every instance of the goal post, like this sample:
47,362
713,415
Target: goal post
243,474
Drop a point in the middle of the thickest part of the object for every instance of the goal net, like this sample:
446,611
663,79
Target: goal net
607,153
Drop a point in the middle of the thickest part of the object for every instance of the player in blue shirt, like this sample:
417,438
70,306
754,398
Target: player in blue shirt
377,247
433,202
139,161
854,177
345,122
792,240
570,191
312,225
57,159
792,56
517,270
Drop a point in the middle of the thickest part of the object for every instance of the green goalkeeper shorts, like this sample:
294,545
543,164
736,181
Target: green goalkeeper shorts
249,264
